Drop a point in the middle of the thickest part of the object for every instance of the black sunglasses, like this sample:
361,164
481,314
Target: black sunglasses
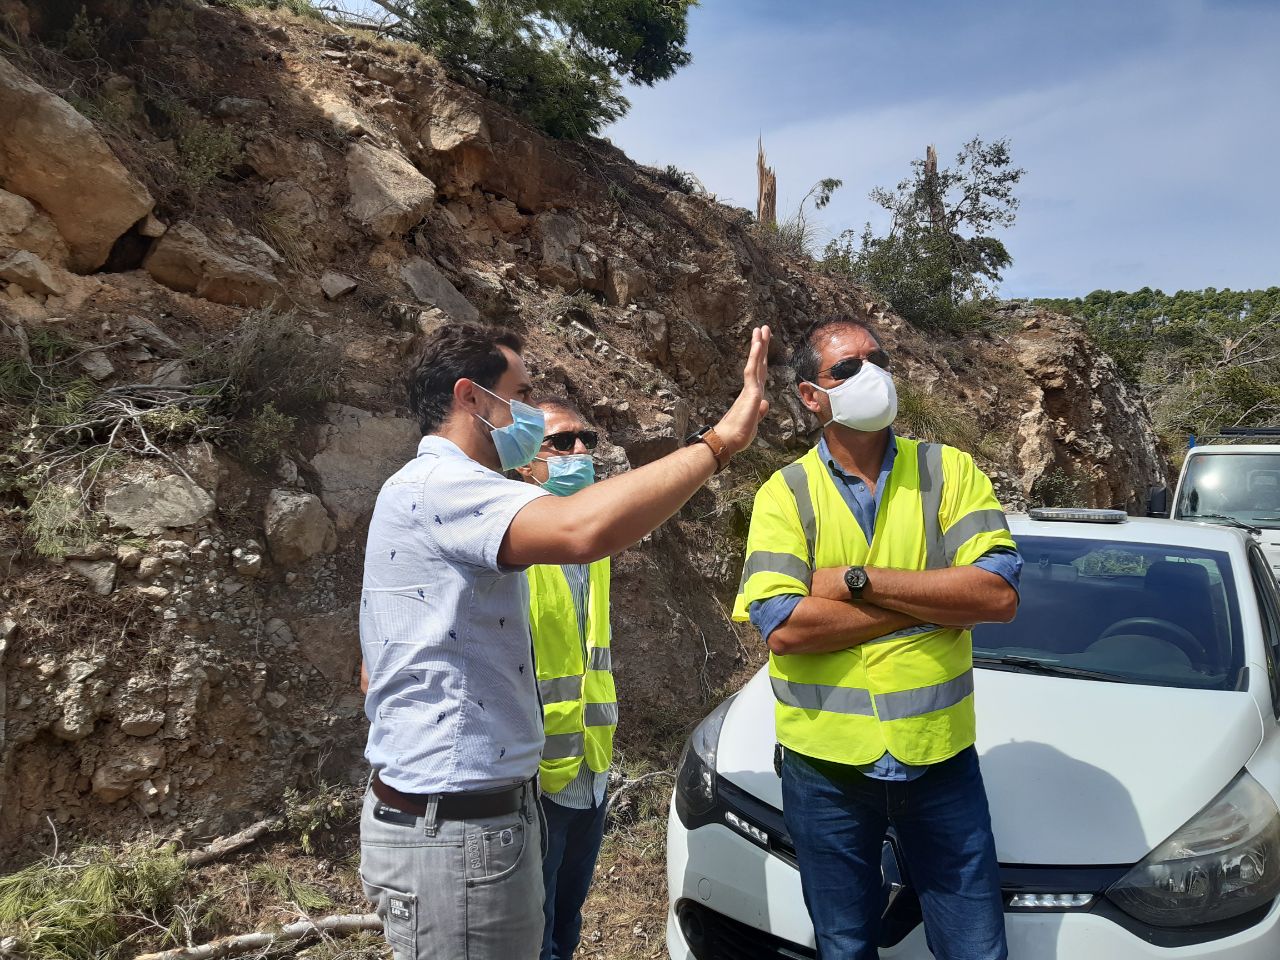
849,366
565,441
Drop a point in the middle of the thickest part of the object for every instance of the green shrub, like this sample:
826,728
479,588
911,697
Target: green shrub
931,417
267,434
1057,488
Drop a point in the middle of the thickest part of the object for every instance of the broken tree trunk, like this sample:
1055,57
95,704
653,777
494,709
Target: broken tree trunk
220,848
767,192
339,925
937,215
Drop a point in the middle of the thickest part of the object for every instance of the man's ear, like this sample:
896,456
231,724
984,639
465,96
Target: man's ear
464,394
809,397
526,471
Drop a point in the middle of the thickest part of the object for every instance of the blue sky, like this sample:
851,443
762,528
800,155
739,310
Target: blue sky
1150,131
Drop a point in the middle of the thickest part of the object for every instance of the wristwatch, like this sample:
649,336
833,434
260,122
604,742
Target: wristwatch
712,439
855,578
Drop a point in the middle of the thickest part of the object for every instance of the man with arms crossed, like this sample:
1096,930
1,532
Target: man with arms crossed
449,835
569,615
868,559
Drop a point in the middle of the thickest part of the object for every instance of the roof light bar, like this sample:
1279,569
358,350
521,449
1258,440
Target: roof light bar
1078,515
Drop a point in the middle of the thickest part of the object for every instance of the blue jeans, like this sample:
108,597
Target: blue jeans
838,819
573,843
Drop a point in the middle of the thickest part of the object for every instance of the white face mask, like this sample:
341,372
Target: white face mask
867,401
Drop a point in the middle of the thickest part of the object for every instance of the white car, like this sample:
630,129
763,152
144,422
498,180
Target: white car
1128,734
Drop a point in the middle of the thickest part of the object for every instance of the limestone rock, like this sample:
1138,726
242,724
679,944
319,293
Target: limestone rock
99,574
32,274
356,451
334,285
297,527
141,708
55,158
152,504
388,194
433,288
557,238
24,227
240,108
624,282
184,260
155,339
506,216
96,365
117,777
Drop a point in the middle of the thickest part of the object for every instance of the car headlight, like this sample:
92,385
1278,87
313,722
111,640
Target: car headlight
1223,862
696,779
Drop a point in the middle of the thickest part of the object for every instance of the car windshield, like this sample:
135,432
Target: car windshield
1131,612
1238,486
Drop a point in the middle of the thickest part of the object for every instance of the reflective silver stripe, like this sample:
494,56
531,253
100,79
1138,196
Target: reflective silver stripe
561,689
797,481
600,715
767,561
969,526
906,632
601,659
929,456
816,696
562,745
922,700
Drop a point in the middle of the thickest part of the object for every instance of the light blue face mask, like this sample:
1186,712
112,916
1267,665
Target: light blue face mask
519,441
569,474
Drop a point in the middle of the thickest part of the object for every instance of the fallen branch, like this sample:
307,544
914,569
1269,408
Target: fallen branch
339,925
225,845
628,784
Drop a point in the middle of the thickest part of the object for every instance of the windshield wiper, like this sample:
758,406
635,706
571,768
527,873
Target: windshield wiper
1231,521
1032,665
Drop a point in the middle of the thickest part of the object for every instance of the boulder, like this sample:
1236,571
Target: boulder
356,451
96,364
155,339
153,504
32,274
117,777
53,156
25,227
334,285
557,238
506,216
297,527
433,288
624,282
184,260
240,108
388,194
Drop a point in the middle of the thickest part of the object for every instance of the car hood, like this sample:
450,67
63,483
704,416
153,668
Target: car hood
1077,771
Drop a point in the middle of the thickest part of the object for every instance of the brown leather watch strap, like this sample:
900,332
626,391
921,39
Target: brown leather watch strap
718,448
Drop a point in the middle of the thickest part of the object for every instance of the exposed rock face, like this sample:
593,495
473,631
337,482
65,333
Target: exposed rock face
184,259
326,643
434,289
153,504
358,450
118,777
297,527
1079,417
388,194
53,157
335,285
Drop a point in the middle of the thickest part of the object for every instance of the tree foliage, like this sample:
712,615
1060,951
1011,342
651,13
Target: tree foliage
560,63
1205,359
939,257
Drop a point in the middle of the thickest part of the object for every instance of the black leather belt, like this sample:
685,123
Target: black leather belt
453,806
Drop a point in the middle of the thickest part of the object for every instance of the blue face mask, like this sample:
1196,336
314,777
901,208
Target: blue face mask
519,441
569,474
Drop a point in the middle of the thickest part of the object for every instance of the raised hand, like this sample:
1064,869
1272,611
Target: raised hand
738,426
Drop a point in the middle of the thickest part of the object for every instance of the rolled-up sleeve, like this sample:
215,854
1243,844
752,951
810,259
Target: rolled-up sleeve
1004,563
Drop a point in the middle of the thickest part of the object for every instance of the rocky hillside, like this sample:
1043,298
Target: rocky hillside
201,203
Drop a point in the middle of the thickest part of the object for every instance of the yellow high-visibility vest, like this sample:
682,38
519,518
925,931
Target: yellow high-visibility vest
575,679
910,692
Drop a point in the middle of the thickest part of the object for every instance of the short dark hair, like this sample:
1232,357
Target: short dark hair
804,356
461,350
557,401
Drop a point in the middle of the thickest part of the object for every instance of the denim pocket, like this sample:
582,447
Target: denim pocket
494,851
399,913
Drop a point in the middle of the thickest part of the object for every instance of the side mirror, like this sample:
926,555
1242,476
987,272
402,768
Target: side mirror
1158,502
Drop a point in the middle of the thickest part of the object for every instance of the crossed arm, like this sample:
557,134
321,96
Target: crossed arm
893,600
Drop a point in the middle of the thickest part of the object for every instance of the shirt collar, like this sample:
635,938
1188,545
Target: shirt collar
890,454
434,443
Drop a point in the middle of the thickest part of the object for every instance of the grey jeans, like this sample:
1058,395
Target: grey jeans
456,889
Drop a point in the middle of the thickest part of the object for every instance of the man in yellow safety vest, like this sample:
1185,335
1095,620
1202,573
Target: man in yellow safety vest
569,619
868,560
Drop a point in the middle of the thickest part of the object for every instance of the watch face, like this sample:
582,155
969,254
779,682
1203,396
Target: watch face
856,578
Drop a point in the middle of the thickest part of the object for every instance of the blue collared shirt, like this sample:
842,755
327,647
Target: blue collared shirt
768,615
444,629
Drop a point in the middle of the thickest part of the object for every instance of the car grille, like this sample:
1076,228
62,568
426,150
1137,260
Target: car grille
713,936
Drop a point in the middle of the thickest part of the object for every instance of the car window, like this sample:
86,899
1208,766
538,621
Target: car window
1140,613
1243,486
1269,612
